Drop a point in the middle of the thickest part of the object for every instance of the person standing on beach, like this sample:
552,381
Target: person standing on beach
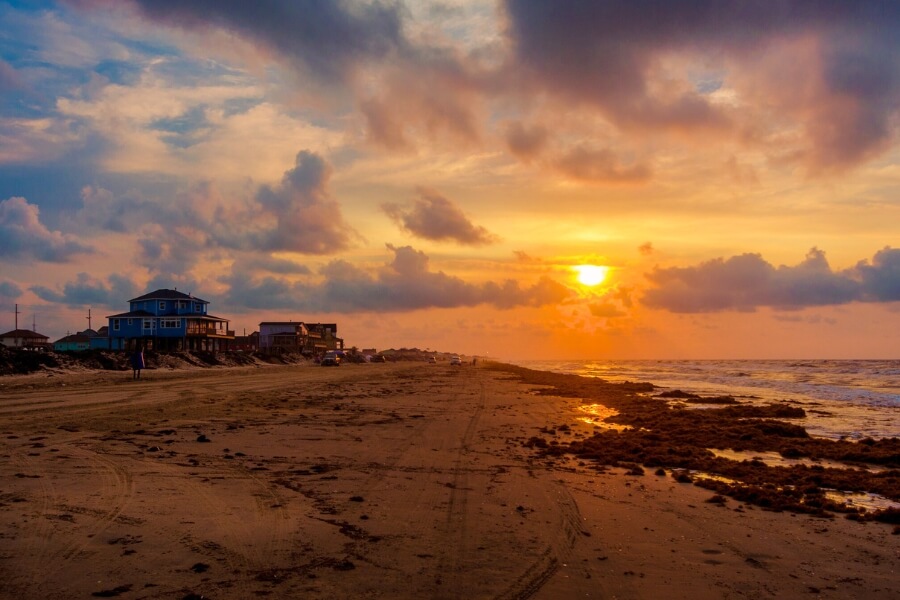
137,363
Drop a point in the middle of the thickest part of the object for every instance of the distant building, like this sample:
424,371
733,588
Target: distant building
83,340
168,320
24,338
245,343
75,342
307,338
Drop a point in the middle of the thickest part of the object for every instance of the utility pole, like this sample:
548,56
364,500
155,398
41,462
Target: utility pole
16,330
89,319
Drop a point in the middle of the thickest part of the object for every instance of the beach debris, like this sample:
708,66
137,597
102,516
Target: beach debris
202,438
116,591
200,567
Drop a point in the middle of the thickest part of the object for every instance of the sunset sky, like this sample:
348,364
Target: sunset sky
430,174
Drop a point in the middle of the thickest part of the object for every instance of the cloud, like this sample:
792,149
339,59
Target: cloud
748,282
434,217
10,290
306,219
406,283
647,66
9,78
607,310
329,38
90,291
22,235
526,142
600,166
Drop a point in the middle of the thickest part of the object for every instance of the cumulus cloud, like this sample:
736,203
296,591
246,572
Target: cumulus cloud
748,282
297,215
22,235
91,291
306,218
434,217
404,284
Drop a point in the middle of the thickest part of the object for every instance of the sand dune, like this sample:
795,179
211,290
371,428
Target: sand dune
370,481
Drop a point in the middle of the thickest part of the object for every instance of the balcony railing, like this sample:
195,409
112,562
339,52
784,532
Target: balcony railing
203,330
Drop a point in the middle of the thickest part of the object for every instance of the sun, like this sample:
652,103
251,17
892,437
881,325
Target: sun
591,275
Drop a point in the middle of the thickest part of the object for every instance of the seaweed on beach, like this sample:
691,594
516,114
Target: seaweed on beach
658,434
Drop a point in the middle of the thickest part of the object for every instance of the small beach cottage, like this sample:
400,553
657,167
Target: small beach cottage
167,320
24,338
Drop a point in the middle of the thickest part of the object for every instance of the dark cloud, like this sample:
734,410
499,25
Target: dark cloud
22,235
89,291
8,289
404,284
748,282
609,54
434,217
330,39
880,280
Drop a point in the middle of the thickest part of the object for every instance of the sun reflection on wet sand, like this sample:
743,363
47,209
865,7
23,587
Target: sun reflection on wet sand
597,415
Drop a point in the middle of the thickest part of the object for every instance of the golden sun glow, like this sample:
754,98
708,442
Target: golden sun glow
591,275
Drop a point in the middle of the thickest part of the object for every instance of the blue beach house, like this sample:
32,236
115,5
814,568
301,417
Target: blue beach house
167,320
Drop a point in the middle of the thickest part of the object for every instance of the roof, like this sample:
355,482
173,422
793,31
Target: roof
167,295
23,333
73,338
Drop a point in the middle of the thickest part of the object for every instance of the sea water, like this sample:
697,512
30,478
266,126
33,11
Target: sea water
851,399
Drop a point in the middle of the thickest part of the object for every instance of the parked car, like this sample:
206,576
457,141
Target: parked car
432,360
379,358
331,359
455,361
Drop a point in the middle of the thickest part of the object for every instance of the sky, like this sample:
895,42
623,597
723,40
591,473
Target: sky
438,174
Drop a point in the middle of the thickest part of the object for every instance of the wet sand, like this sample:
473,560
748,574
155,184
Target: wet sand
399,480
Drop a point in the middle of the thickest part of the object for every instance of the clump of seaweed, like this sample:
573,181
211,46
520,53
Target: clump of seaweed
662,436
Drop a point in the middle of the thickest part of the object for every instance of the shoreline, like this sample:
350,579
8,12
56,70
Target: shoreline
392,480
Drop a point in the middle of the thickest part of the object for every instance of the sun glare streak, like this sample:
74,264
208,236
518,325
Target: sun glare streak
591,275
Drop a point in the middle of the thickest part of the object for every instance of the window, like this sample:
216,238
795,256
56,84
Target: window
116,324
170,324
198,307
149,325
130,321
162,305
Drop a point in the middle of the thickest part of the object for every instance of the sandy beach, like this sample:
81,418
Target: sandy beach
403,480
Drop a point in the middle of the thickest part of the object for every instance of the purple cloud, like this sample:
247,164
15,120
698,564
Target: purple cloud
22,235
748,282
404,284
434,217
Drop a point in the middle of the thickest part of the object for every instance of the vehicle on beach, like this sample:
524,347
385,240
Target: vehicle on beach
331,359
378,358
432,360
455,361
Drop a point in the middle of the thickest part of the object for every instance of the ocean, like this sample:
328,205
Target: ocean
851,399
